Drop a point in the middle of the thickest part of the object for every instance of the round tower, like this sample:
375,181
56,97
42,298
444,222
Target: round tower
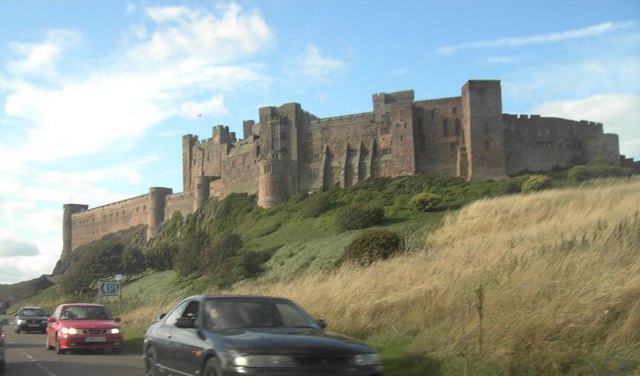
274,183
67,226
201,192
157,203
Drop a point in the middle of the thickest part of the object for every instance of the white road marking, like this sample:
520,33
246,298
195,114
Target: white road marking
38,363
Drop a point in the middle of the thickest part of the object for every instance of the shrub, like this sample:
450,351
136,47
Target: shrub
160,256
133,261
214,256
316,204
425,201
185,260
583,173
355,217
373,245
537,183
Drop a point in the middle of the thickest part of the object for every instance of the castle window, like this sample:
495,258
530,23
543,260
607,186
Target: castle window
386,151
268,169
454,110
457,129
384,130
314,171
386,118
257,150
316,157
445,128
452,146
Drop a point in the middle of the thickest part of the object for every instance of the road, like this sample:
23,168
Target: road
26,355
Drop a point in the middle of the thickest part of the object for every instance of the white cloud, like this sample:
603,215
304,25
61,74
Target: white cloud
213,106
511,42
40,58
314,66
619,113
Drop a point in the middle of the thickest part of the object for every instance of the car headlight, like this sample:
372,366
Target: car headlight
70,331
264,361
366,360
20,322
113,331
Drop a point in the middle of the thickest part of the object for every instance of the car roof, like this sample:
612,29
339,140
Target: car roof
81,305
234,296
21,308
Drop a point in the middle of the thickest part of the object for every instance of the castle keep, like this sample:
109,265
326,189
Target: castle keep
288,150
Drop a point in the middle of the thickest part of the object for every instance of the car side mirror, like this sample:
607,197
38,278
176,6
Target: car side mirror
185,322
52,319
322,323
117,319
161,316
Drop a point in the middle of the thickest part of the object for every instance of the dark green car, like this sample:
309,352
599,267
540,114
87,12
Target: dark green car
233,335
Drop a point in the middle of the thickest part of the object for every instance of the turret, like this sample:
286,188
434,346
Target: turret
157,203
67,226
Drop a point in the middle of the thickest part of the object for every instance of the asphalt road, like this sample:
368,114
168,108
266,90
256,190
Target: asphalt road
26,355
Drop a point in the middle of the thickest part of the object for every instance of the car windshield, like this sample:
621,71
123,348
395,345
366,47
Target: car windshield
32,312
84,313
247,313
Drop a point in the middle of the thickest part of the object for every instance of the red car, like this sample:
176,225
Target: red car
83,326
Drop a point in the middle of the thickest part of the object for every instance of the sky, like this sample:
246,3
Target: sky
95,96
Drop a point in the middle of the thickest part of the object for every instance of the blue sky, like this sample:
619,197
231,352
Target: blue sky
95,95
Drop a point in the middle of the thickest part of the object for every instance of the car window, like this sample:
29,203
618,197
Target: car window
239,313
85,313
31,312
177,312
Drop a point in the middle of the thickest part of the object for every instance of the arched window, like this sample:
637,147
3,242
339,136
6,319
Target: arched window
445,128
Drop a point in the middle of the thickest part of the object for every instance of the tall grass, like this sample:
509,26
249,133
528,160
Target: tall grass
559,275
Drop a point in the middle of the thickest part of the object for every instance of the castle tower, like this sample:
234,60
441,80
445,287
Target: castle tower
483,130
188,142
274,183
201,192
157,202
67,226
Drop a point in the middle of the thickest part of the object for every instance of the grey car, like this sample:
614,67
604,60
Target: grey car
2,342
31,319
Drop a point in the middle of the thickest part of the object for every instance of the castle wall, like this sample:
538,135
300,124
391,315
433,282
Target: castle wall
182,202
535,143
92,224
439,135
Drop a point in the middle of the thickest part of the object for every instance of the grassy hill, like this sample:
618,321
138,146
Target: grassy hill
529,284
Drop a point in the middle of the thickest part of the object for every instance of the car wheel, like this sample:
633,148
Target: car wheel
48,344
212,368
150,368
59,350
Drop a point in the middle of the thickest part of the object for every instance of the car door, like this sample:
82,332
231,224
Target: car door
52,327
162,337
186,344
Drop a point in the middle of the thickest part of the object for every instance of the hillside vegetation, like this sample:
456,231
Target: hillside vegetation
544,283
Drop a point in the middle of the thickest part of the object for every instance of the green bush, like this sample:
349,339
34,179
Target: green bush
373,245
133,261
425,201
356,217
316,204
160,256
537,183
214,256
185,260
583,173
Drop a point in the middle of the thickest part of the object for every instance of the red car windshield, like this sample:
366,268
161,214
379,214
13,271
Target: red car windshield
84,313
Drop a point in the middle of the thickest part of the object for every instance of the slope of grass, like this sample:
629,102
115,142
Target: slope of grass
547,283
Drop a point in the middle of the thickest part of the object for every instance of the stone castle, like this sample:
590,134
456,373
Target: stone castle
290,150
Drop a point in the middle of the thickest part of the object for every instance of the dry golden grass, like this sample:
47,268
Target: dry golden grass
560,273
